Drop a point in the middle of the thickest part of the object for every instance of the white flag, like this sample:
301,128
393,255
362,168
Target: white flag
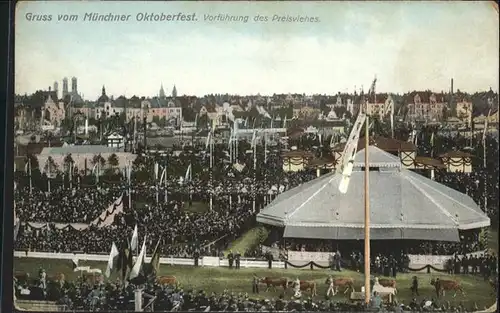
138,263
114,253
253,138
135,239
209,137
188,174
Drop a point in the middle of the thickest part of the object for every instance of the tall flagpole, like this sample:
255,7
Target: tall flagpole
254,171
211,143
367,211
265,148
166,186
31,182
231,148
157,169
129,172
48,177
70,175
485,163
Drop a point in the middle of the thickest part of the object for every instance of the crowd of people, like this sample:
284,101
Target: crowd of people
233,191
183,232
82,296
484,265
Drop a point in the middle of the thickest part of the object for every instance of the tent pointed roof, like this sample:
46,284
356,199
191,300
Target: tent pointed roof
404,205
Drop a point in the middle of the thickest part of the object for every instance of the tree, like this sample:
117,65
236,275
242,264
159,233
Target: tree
68,160
50,167
98,159
113,160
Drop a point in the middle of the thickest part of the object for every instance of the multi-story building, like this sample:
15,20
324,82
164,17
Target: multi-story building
65,91
426,106
74,86
53,111
56,89
464,110
381,106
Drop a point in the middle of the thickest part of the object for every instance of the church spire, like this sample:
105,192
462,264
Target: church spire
174,92
103,90
162,92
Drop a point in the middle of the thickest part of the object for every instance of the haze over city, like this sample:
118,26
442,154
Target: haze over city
409,46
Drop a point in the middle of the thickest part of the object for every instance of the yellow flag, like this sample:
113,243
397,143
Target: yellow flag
214,123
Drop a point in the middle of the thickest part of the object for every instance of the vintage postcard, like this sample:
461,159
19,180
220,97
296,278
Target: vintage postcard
244,156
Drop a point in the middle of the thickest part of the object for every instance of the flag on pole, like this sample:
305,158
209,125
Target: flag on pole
209,137
253,138
284,122
155,259
75,264
157,169
16,227
135,239
392,119
432,145
214,124
125,261
188,174
138,263
113,255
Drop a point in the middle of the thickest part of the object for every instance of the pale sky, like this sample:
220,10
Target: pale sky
407,45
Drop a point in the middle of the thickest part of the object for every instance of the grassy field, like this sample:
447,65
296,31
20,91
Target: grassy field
249,240
218,279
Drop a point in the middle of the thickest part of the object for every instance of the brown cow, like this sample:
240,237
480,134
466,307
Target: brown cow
273,282
346,282
166,280
385,282
442,285
306,286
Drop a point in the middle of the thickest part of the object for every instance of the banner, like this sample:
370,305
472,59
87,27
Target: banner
107,216
76,226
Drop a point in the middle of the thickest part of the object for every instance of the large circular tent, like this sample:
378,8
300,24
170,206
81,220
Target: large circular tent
403,205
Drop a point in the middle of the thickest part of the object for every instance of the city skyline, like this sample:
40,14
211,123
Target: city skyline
409,46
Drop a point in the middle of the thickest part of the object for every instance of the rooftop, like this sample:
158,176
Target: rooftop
403,204
82,149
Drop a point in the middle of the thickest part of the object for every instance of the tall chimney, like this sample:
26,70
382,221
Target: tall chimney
450,100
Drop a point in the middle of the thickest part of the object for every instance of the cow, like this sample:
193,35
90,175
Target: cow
166,280
442,285
346,282
273,282
385,282
306,286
